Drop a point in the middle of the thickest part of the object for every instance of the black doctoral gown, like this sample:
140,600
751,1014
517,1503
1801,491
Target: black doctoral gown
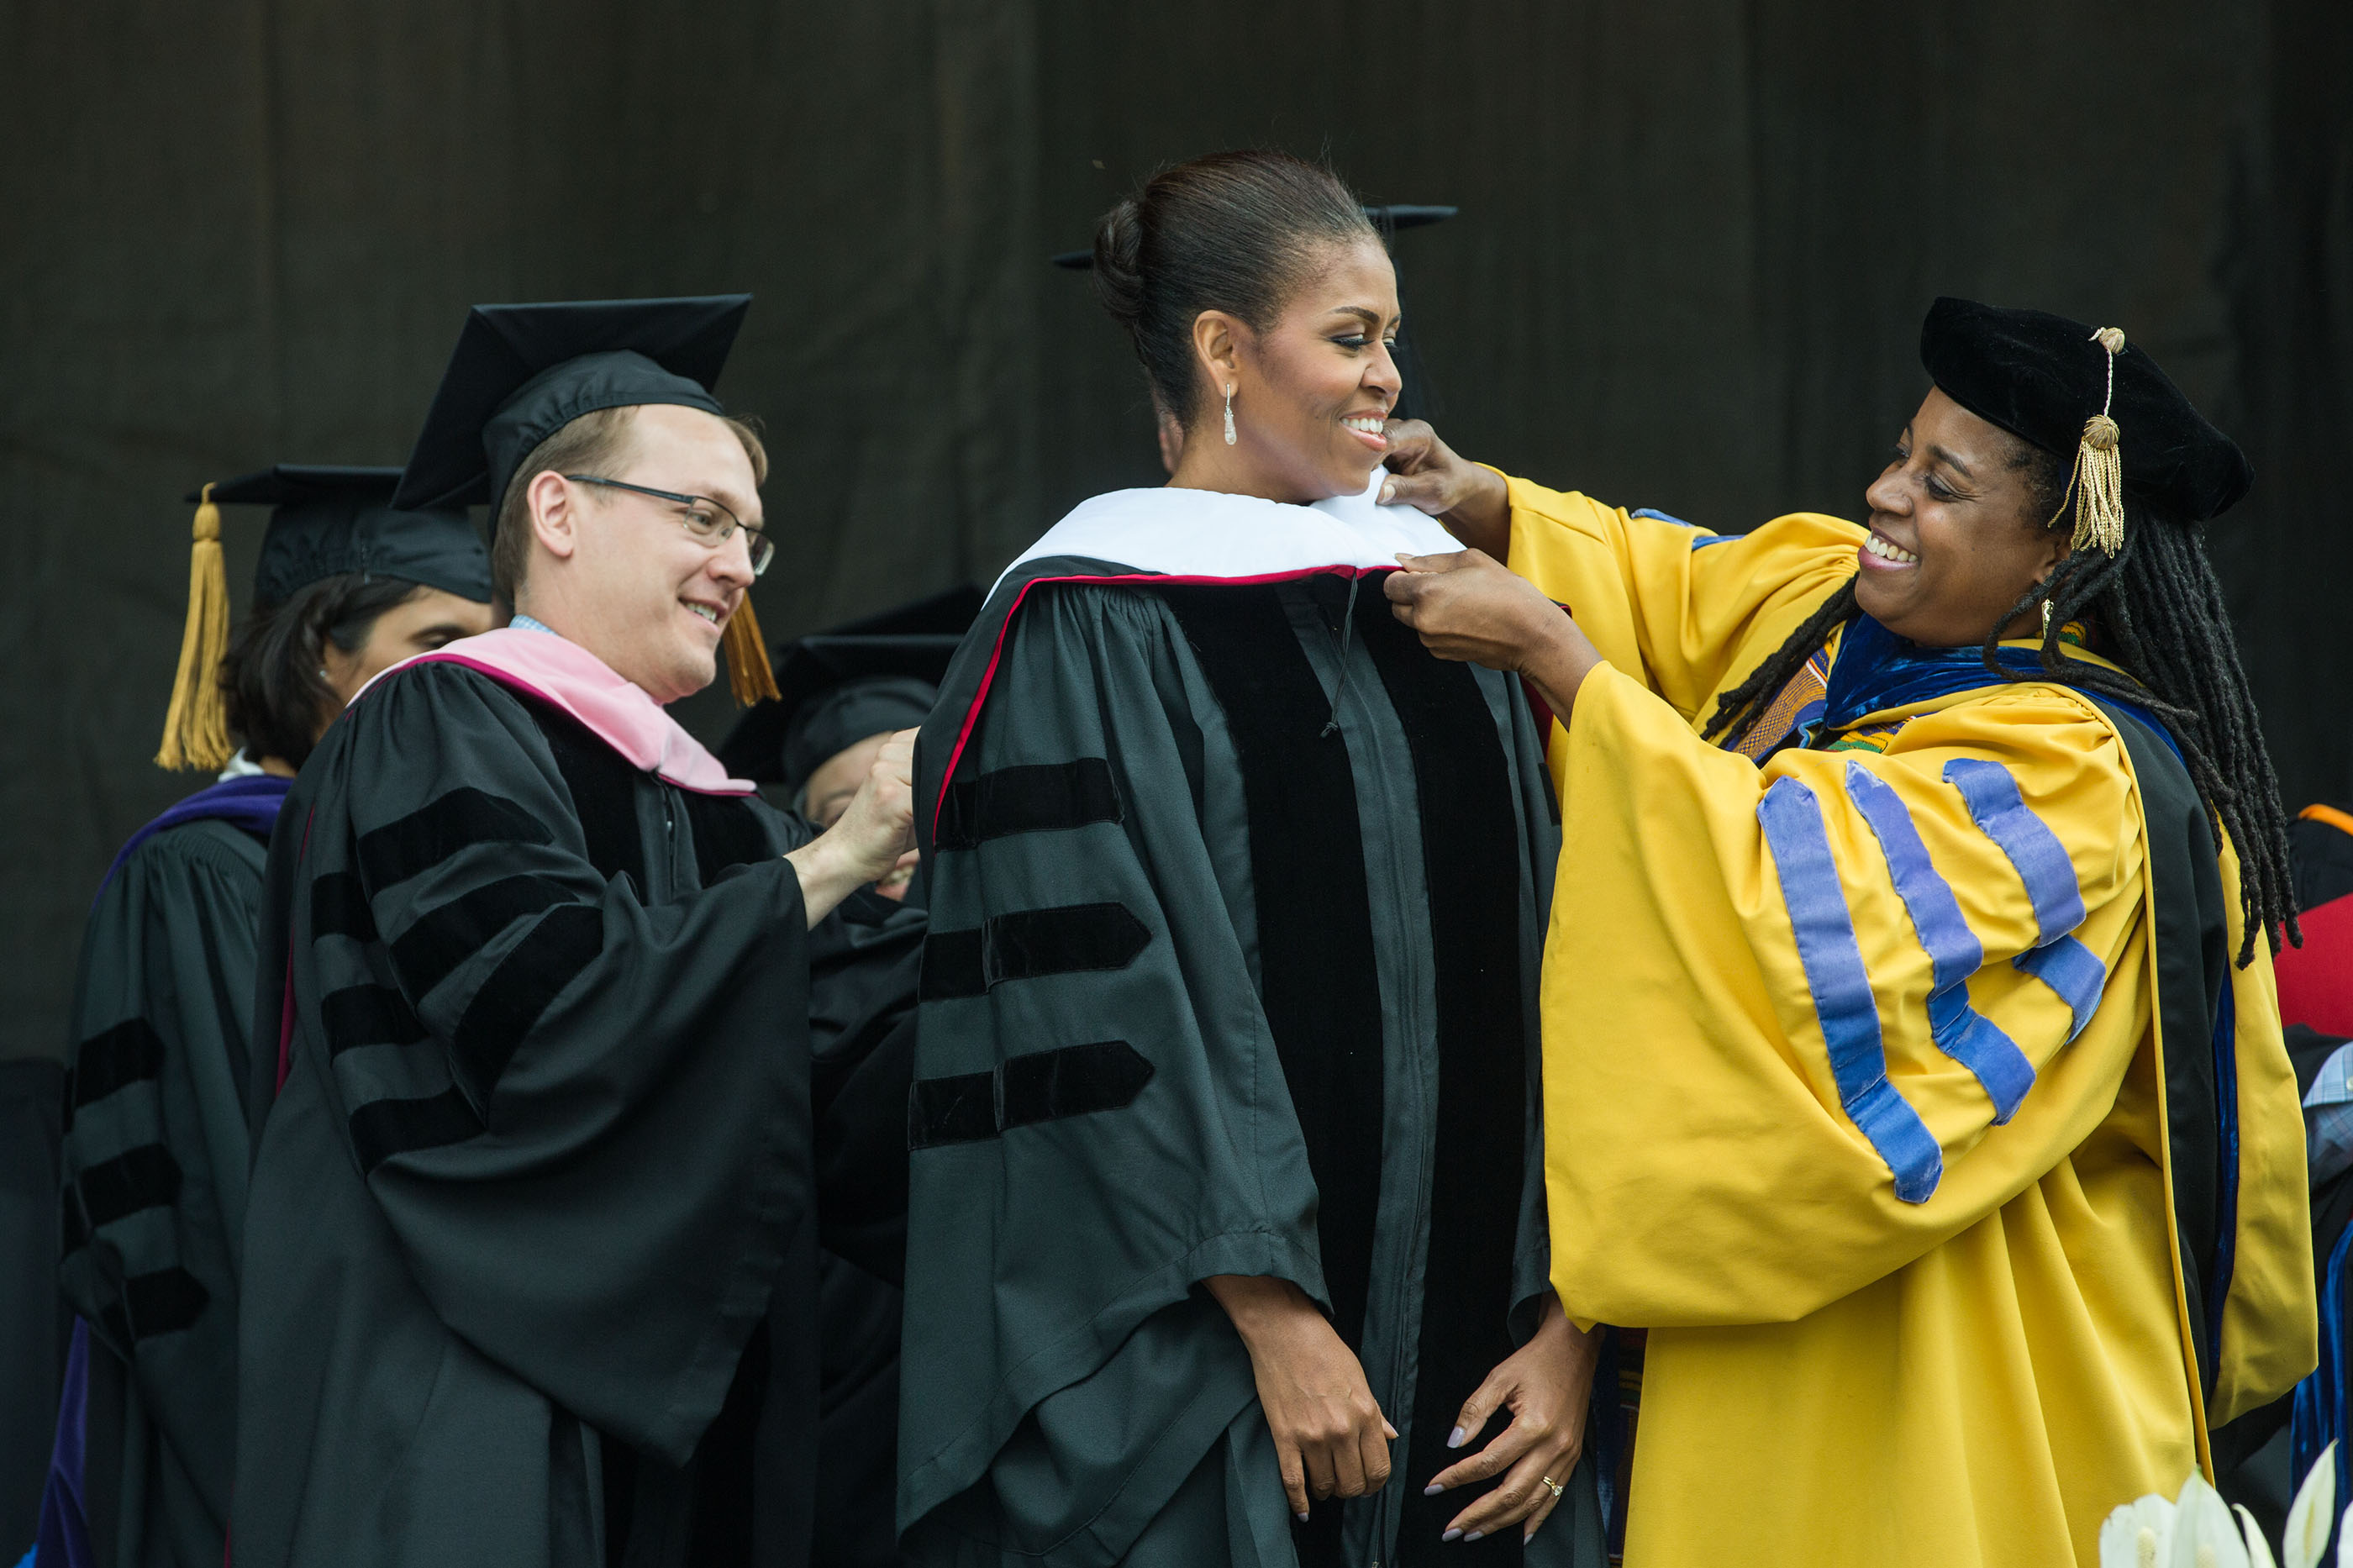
155,1162
531,1250
862,974
1237,897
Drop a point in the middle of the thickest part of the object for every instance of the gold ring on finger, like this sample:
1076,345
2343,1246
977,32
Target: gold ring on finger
1556,1488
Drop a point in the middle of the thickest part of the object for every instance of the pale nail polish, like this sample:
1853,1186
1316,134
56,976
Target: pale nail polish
1433,1490
1454,1440
1450,1535
1474,1535
1302,1517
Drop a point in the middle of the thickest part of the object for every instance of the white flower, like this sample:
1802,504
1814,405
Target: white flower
2204,1536
2196,1531
2259,1550
2137,1535
2315,1505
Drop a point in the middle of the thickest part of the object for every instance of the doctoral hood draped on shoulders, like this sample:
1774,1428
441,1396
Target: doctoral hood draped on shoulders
1209,535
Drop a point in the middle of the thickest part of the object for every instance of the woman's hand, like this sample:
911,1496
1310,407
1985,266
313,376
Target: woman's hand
1329,1434
1468,608
1473,503
873,836
1546,1385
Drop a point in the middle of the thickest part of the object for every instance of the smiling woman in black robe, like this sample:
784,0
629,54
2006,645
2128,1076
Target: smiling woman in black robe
1226,1233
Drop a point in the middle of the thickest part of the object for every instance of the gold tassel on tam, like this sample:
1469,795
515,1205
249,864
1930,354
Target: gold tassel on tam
2097,486
748,674
196,727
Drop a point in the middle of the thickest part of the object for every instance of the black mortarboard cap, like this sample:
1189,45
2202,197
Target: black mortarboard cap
334,520
520,373
2044,379
327,521
836,687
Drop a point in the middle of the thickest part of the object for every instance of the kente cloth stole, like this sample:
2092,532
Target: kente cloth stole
1797,702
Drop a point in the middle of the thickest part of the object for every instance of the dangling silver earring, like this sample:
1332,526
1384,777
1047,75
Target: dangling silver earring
2046,620
1229,414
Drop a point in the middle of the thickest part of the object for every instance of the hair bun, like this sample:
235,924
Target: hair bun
1235,231
1119,262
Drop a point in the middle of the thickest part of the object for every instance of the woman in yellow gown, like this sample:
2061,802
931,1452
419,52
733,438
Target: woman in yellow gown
1913,1067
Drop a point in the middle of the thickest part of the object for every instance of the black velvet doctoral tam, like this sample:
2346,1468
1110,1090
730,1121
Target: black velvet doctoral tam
2040,377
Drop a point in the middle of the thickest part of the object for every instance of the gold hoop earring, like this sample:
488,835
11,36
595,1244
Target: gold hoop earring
1229,414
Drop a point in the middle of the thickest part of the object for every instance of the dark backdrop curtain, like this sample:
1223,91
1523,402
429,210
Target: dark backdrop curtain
1696,241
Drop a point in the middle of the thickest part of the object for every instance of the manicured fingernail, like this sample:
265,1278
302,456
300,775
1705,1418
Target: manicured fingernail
1302,1517
1451,1535
1388,489
1454,1438
1433,1490
1474,1535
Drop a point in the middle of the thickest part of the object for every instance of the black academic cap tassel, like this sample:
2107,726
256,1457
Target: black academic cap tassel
196,727
748,674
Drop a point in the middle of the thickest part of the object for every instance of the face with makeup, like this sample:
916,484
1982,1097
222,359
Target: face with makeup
1310,392
1959,532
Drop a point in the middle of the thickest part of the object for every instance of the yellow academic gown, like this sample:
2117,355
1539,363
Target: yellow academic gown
1975,1369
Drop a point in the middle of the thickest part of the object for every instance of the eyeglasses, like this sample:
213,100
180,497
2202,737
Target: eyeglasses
709,520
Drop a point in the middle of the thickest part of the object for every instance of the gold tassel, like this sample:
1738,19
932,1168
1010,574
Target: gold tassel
2096,483
748,674
196,727
2100,489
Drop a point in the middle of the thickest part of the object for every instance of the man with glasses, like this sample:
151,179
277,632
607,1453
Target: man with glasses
530,1259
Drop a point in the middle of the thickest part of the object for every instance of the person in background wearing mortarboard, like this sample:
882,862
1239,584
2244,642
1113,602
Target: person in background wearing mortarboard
530,1272
155,1146
841,695
1903,1026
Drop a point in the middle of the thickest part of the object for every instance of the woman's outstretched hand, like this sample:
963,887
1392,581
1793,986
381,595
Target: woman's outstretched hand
1329,1434
1469,608
1472,502
1546,1385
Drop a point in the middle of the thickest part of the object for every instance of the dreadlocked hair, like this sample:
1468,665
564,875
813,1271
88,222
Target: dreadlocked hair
1746,703
2159,610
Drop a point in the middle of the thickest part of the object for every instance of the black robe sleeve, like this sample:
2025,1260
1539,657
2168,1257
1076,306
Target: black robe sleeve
588,1192
155,1162
1100,1117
